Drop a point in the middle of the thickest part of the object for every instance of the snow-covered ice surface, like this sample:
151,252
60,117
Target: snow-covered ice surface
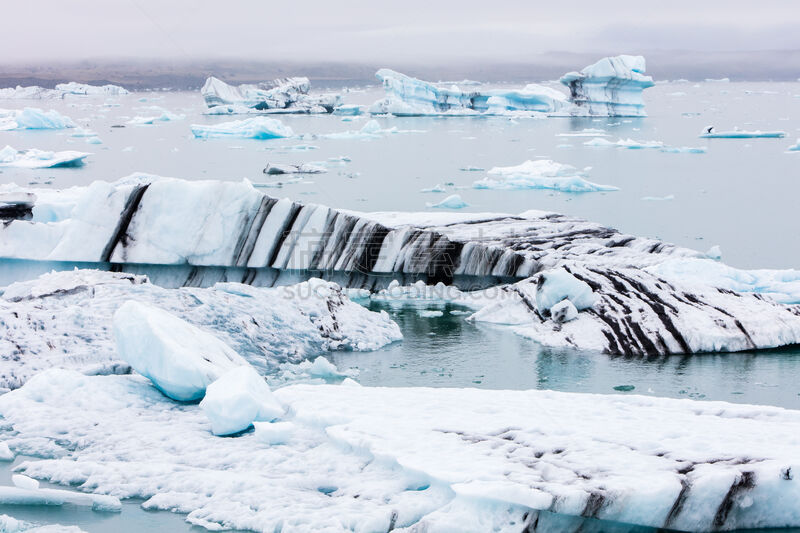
375,459
289,95
407,96
611,87
9,524
249,128
64,319
61,90
33,158
540,174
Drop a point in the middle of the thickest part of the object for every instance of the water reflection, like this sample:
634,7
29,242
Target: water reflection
448,351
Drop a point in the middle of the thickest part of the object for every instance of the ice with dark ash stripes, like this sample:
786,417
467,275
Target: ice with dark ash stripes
562,281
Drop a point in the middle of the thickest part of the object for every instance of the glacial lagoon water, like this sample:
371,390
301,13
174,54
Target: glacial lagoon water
739,194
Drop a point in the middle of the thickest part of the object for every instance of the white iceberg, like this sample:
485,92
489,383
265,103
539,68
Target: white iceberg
631,144
31,118
179,358
539,174
33,158
347,110
611,87
483,460
288,95
86,89
407,96
250,128
453,201
33,92
237,399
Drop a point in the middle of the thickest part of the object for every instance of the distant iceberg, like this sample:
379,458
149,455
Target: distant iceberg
540,174
630,144
251,128
33,158
611,87
303,168
407,96
31,118
86,89
288,95
34,92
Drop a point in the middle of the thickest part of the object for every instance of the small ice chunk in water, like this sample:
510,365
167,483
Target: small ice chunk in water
237,399
322,368
180,359
251,128
556,285
436,188
430,313
795,147
453,201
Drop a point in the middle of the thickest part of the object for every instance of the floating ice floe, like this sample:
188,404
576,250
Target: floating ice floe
709,133
163,115
304,168
795,147
249,128
453,201
524,460
234,232
31,118
33,158
540,174
611,87
717,80
407,96
370,130
288,95
64,319
10,524
632,144
435,188
347,110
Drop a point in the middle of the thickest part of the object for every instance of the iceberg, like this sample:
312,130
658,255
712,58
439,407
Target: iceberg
795,147
453,201
33,158
709,133
33,92
66,319
523,460
86,89
237,399
407,96
304,168
611,87
203,233
625,143
31,118
250,128
288,95
539,174
179,358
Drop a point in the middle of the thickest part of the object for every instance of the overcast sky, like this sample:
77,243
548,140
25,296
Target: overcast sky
369,31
